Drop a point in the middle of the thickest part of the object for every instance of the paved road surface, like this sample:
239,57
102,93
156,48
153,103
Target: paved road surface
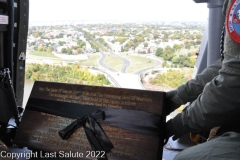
126,62
101,63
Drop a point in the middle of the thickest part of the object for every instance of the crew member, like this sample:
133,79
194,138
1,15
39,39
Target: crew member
215,102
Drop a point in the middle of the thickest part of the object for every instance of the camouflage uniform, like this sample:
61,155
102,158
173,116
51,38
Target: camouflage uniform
215,102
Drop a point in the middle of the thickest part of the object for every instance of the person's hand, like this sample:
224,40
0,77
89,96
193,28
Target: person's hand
174,127
170,131
173,101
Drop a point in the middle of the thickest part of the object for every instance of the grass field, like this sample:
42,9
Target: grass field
91,61
138,62
114,62
43,54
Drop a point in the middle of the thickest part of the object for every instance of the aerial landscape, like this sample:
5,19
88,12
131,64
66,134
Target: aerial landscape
134,55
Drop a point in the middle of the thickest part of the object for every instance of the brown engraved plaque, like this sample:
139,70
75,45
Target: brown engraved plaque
39,130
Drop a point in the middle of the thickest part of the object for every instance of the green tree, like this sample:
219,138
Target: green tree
36,76
175,60
40,48
49,49
81,43
64,50
69,50
28,74
172,79
177,47
61,43
159,52
33,43
35,48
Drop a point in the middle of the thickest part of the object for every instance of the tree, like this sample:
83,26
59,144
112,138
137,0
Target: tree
33,43
64,50
40,48
159,52
177,47
175,60
61,43
188,45
50,49
60,35
83,47
79,50
35,48
69,50
28,74
81,43
168,53
164,64
172,78
35,35
156,35
36,76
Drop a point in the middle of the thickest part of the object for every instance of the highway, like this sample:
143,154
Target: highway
123,79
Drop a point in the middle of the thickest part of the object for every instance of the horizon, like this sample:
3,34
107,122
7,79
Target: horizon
117,11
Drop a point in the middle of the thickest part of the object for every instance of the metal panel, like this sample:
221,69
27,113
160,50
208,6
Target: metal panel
3,28
216,22
20,40
201,62
210,46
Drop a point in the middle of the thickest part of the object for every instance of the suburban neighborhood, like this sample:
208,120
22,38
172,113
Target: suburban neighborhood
109,48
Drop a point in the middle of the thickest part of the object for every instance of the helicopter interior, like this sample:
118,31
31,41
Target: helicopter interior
14,19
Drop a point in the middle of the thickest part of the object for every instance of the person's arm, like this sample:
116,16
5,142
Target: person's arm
192,89
219,104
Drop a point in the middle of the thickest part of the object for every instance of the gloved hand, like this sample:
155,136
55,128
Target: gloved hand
173,101
175,128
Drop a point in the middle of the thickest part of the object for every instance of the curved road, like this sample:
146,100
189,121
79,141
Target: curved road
126,62
158,62
101,63
124,80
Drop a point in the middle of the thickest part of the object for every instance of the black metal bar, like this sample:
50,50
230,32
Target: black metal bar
2,28
20,40
9,38
216,21
1,51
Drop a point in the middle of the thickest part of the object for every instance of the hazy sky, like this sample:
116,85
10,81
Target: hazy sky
182,10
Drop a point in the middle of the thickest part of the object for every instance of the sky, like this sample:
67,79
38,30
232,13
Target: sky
108,10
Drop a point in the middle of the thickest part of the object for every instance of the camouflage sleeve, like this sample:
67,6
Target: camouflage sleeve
192,89
219,103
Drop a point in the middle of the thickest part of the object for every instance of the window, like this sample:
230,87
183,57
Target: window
130,44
